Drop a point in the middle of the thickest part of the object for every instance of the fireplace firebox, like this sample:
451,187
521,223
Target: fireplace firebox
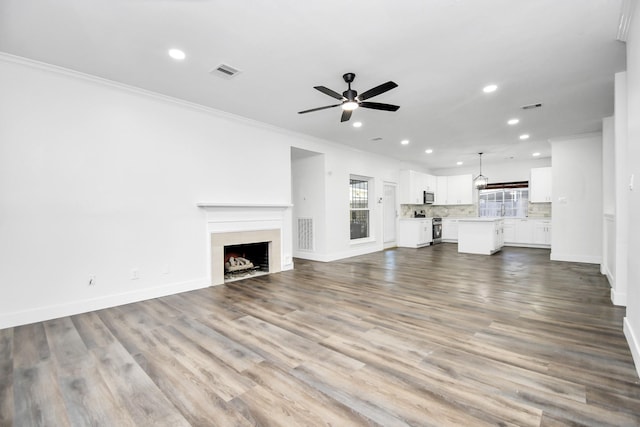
250,259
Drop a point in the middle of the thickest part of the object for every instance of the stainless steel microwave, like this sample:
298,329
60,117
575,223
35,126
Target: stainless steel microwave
429,198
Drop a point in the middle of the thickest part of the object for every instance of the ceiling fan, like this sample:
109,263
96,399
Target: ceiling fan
351,100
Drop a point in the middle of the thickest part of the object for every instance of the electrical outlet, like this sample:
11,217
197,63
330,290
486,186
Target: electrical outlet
92,280
135,275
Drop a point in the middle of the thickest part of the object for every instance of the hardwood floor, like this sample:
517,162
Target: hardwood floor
402,337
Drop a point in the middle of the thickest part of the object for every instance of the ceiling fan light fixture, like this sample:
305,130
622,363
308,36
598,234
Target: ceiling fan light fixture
480,182
350,105
177,54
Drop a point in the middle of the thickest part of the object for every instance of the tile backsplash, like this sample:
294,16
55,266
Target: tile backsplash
535,210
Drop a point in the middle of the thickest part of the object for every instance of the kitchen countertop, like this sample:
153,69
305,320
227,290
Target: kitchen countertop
414,219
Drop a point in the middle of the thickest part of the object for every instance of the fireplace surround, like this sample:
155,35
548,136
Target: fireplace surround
238,224
221,240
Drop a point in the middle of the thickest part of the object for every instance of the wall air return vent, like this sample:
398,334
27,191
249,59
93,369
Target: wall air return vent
305,234
225,71
531,106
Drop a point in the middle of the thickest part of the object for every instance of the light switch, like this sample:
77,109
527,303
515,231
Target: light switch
631,182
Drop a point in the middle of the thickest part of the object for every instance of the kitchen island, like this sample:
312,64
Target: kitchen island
484,236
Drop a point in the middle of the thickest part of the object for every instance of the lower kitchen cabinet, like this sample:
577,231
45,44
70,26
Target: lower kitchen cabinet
415,232
449,230
527,232
542,233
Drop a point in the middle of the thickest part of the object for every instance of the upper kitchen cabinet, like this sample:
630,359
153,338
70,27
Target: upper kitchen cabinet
460,189
540,185
455,190
441,190
412,187
431,183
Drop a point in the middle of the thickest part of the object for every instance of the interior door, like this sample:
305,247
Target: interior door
390,215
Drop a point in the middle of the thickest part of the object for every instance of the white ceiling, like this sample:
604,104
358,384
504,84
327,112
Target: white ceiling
441,53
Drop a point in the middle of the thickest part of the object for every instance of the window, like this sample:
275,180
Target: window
504,199
359,207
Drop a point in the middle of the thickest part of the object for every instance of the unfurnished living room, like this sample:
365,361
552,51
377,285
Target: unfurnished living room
319,213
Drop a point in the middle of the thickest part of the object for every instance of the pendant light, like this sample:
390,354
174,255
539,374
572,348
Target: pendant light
480,181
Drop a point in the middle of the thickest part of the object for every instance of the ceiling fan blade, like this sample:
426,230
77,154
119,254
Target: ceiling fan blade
377,90
346,115
329,92
318,109
379,106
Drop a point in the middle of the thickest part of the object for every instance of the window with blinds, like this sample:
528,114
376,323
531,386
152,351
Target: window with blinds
359,208
509,199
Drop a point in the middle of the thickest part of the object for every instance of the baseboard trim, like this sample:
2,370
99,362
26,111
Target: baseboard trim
618,298
587,259
363,250
634,344
40,314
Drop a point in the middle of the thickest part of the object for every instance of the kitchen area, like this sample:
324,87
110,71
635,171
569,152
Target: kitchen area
449,209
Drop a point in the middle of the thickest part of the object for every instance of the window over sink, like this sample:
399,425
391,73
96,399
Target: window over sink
510,199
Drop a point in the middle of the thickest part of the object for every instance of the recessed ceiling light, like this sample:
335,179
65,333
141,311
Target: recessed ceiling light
428,151
513,122
357,124
535,154
459,163
524,136
489,88
404,142
177,54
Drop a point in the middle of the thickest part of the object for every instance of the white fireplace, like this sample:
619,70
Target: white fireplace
239,224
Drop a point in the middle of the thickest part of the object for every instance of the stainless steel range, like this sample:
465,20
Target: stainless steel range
437,230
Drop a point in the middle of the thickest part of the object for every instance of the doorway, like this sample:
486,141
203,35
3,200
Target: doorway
390,215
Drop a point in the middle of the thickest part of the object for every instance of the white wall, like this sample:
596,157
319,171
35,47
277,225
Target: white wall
621,197
506,171
99,179
577,199
632,321
96,179
308,190
608,266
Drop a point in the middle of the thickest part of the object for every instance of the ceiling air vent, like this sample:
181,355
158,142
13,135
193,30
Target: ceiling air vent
226,71
376,139
531,106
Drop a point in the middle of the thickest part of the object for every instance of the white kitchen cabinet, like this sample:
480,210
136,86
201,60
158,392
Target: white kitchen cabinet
527,232
449,230
412,187
441,190
540,185
431,183
454,190
509,230
518,231
415,232
484,236
542,232
460,190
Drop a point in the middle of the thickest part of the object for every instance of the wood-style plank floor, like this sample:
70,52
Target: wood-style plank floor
423,337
